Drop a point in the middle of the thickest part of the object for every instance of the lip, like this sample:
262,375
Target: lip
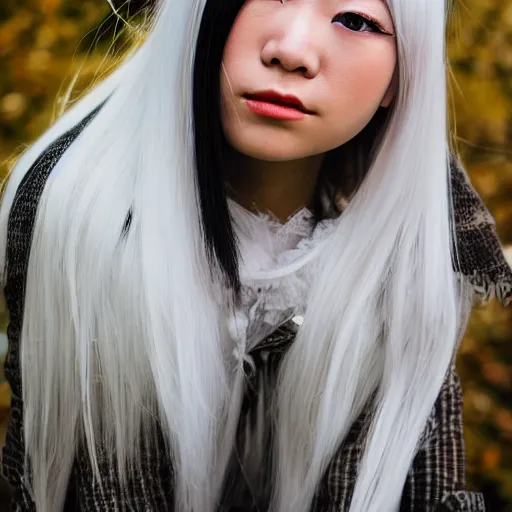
275,105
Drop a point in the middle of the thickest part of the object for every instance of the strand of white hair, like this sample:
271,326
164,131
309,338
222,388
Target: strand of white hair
384,313
118,332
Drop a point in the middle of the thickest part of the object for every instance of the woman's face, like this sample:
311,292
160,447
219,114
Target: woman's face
336,57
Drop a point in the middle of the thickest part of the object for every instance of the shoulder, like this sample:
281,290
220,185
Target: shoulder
18,206
477,254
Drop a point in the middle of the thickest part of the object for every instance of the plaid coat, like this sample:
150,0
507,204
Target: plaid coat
436,480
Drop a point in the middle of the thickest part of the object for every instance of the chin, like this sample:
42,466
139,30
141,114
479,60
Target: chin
274,152
274,156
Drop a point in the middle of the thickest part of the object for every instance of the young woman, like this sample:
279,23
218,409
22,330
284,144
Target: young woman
238,271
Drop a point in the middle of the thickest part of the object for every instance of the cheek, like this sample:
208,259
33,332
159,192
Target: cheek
356,88
364,81
234,69
242,41
227,113
240,51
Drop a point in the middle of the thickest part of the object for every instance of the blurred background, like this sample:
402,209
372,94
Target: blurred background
48,46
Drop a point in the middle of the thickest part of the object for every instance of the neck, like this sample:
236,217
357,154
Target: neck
278,188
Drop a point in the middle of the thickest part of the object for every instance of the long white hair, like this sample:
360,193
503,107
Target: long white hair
118,331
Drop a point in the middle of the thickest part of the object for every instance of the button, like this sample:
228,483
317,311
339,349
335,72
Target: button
298,320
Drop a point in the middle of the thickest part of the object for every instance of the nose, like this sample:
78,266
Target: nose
292,48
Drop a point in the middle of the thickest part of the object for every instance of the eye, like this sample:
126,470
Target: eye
357,23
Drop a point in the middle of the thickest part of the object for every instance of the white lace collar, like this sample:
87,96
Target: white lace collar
266,244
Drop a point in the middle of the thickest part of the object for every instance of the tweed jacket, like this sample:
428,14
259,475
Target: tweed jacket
436,480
